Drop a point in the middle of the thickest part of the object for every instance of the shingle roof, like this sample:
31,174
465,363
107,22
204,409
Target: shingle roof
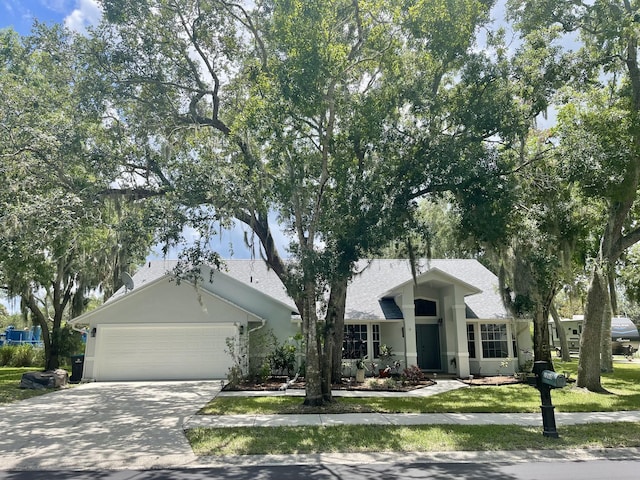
366,298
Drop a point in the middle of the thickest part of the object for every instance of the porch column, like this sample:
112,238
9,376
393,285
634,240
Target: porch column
409,314
462,350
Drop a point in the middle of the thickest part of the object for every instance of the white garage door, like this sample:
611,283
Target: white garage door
162,352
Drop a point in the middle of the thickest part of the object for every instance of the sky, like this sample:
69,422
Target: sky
75,14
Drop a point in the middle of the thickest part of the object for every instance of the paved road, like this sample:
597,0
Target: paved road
594,470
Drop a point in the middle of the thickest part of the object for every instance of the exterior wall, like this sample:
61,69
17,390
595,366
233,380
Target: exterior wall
391,335
522,330
450,315
407,306
500,366
168,303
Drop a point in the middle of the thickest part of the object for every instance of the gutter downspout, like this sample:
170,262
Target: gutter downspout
249,332
264,322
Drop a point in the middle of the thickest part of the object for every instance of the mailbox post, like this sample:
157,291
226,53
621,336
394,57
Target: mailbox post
546,379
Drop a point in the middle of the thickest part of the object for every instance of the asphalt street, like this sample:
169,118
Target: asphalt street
593,470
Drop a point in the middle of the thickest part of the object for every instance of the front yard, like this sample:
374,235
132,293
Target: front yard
623,385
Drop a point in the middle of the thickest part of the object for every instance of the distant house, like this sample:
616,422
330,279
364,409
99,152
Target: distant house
624,333
449,319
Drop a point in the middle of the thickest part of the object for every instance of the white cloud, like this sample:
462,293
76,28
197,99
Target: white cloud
56,5
86,13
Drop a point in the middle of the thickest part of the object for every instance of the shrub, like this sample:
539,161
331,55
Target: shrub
38,357
283,359
23,356
412,375
265,372
261,343
6,354
234,376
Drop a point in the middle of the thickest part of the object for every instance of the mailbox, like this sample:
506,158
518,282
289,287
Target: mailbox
546,380
553,379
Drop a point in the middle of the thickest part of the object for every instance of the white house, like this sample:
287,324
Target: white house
450,319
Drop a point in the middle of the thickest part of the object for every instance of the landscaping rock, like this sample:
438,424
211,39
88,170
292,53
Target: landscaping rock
41,380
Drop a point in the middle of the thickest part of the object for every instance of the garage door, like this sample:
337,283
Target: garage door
162,352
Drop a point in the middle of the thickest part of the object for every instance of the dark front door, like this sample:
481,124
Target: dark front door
428,345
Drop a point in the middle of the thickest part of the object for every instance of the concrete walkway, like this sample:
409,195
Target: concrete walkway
523,419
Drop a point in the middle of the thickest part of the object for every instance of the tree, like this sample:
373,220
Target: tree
58,240
333,115
608,168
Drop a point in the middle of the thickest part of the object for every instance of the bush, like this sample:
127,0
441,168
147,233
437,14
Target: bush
6,353
19,355
283,359
412,375
22,356
234,376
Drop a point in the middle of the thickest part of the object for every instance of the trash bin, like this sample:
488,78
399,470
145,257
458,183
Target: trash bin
77,365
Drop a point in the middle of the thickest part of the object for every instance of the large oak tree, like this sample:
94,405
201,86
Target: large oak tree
328,115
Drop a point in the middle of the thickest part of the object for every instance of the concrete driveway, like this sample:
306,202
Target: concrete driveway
103,426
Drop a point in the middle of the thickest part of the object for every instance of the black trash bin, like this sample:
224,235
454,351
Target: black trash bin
77,365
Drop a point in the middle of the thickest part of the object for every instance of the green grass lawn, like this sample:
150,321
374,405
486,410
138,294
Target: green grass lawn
623,385
424,438
624,394
9,381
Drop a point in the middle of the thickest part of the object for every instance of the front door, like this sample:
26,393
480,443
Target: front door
428,345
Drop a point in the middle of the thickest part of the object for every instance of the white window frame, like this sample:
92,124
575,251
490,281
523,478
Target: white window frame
373,338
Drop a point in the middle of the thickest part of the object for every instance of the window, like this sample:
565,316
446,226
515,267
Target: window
494,340
425,308
356,339
375,340
471,340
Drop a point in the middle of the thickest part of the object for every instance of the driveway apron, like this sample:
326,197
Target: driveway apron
103,426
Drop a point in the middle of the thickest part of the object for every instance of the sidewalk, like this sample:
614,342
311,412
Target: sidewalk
523,419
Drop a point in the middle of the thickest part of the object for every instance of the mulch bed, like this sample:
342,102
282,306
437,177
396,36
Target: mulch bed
276,383
495,381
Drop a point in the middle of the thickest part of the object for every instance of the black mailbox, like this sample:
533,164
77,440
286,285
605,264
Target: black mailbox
546,380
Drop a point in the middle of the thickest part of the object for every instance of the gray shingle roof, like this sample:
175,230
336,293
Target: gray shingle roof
366,295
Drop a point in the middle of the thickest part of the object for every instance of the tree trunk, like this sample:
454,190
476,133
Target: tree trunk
611,308
562,335
606,354
336,310
53,360
313,375
541,350
41,320
589,362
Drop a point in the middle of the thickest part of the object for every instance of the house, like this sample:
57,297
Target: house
624,333
449,319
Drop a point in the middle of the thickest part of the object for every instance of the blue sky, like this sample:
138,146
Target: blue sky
76,14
